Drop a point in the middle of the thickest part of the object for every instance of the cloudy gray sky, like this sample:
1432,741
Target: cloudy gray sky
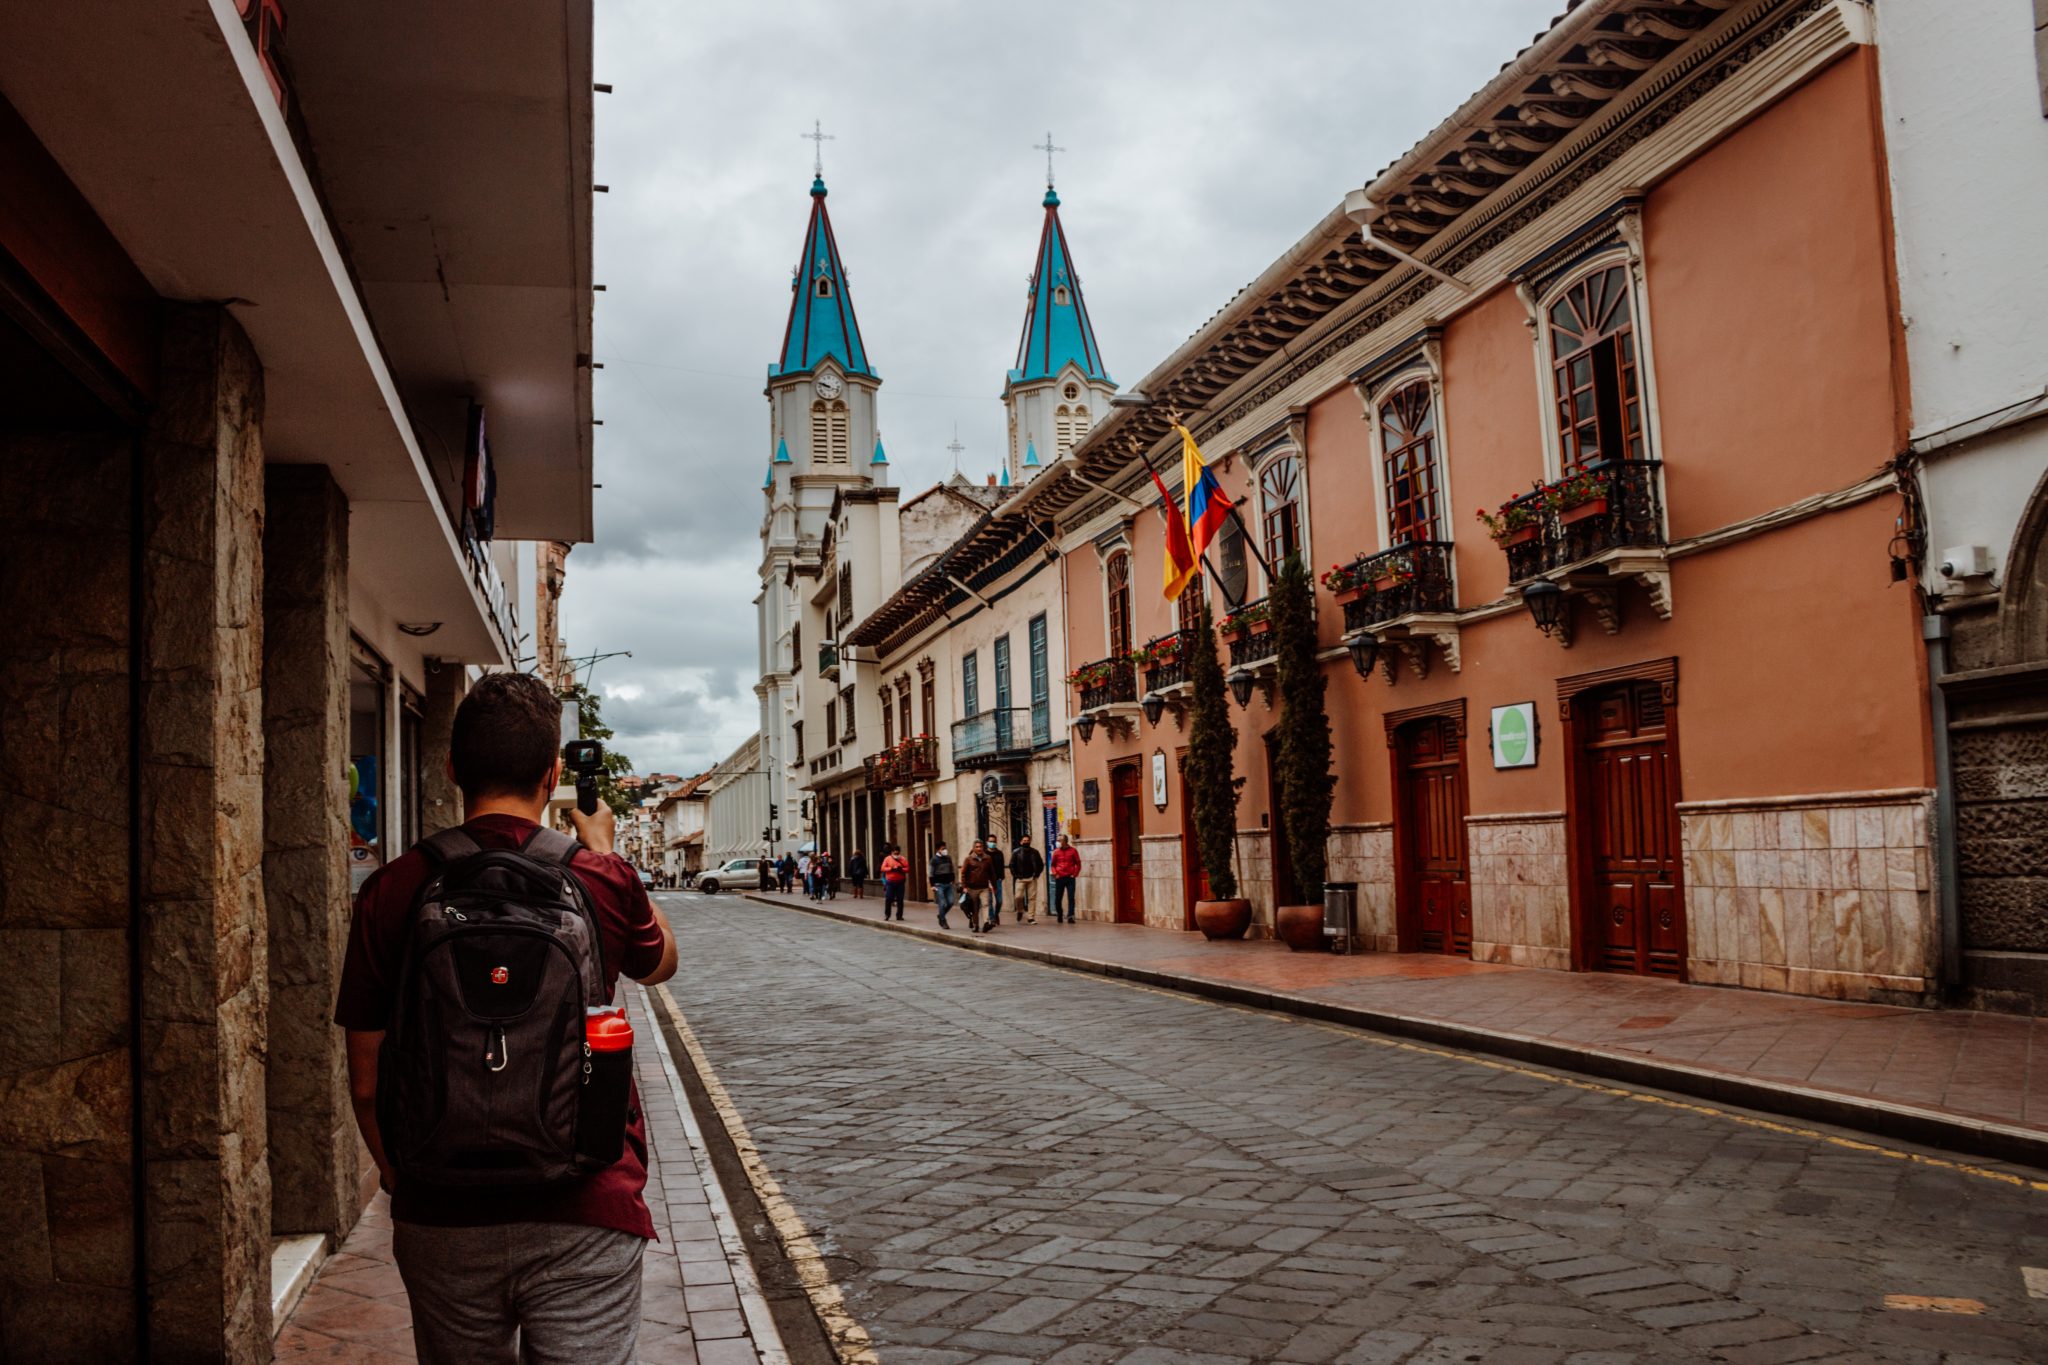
1204,138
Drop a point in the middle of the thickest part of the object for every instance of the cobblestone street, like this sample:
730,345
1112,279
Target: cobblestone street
1002,1161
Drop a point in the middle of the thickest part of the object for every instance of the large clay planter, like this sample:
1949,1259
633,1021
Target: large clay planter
1223,919
1300,927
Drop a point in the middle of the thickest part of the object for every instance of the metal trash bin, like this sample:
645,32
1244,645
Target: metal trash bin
1340,916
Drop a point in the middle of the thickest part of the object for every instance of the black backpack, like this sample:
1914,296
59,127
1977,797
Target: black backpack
483,1074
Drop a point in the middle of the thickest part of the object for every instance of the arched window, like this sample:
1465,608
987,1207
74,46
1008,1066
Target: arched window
824,286
1408,440
1118,572
1593,360
1280,496
830,443
1187,608
1060,297
1069,425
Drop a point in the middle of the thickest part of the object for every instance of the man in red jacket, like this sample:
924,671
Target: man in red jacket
1066,866
895,874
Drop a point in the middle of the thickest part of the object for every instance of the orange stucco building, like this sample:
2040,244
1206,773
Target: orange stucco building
1648,269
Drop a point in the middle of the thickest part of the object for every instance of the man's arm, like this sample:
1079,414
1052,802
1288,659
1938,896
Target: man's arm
362,1094
598,832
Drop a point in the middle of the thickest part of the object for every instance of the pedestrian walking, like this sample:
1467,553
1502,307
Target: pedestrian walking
547,1264
803,872
895,877
785,872
995,881
857,873
941,873
977,872
828,883
1066,866
1026,867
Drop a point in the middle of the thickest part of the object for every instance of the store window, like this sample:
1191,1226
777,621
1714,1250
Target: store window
369,700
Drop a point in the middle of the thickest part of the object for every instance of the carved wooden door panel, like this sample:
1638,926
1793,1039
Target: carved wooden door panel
1432,836
1127,845
1638,918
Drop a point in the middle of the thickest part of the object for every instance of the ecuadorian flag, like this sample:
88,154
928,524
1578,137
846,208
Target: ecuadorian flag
1207,506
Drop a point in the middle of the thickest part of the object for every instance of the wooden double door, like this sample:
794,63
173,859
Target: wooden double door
1627,818
1433,881
1127,843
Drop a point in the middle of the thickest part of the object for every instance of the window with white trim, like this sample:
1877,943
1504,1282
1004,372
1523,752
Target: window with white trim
1407,419
1596,382
831,441
1280,507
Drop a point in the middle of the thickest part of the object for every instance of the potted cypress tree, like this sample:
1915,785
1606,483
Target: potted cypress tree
1302,755
1212,788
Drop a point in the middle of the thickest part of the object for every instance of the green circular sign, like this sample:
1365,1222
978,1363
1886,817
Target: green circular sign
1513,737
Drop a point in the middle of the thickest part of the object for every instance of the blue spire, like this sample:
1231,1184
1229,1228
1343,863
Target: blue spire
1056,327
769,481
1004,481
782,452
880,456
821,320
1030,454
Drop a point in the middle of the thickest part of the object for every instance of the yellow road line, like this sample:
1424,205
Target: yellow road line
850,1341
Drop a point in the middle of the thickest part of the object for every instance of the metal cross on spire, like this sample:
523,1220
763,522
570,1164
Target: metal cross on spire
1047,147
820,137
956,447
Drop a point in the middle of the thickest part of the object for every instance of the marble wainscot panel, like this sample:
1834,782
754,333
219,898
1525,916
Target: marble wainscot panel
1255,878
1165,892
1364,856
1817,895
1521,896
1095,888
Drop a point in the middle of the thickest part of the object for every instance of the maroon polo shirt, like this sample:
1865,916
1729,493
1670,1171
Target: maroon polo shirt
369,983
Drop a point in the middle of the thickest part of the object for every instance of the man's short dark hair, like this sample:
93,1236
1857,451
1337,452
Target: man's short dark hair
507,734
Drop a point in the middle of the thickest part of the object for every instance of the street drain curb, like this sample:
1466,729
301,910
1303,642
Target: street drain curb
1898,1122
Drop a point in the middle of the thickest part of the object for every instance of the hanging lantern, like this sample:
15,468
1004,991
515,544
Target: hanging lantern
1241,680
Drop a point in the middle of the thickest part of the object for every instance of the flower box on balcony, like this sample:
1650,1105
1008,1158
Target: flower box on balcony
1260,626
1519,536
1354,593
1591,507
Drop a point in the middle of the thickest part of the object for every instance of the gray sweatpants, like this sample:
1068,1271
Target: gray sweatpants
521,1293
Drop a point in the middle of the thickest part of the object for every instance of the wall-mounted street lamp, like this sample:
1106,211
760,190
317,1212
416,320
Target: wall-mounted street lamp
1546,603
1153,706
1241,680
1084,726
1364,649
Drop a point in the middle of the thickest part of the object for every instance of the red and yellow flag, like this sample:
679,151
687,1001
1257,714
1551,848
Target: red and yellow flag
1180,560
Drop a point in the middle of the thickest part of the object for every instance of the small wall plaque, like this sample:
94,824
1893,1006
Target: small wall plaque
1091,796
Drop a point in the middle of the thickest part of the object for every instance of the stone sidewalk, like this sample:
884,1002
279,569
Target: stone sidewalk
1954,1079
700,1305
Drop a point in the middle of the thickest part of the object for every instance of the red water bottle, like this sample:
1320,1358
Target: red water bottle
607,1084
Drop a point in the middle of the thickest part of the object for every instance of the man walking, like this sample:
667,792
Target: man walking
995,881
497,1275
941,872
1066,866
785,872
1026,867
857,873
895,876
977,872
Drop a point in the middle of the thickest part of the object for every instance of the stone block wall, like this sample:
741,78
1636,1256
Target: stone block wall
1824,895
314,1149
1165,889
2001,778
66,1224
204,934
1521,889
1364,856
1095,888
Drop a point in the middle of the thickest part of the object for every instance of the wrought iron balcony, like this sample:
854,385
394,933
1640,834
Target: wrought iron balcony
880,770
1170,668
917,760
1118,683
1255,643
1625,511
992,738
1403,581
828,659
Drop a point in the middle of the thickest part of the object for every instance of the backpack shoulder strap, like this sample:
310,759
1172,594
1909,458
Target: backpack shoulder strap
450,845
551,846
